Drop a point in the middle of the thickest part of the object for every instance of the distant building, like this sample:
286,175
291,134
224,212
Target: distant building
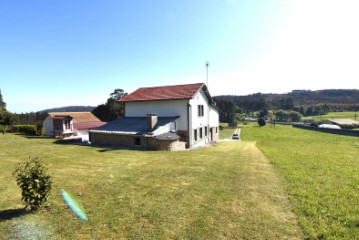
163,118
66,125
330,126
344,122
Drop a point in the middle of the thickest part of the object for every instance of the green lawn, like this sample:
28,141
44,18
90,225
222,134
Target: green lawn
320,172
226,191
335,115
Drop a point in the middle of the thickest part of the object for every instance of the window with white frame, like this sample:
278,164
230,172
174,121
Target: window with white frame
200,110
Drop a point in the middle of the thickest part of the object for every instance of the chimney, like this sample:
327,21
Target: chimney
152,121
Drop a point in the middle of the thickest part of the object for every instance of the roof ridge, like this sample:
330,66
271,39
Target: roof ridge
165,86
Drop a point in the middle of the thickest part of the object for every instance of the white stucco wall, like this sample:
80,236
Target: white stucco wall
213,117
209,119
169,108
49,126
84,134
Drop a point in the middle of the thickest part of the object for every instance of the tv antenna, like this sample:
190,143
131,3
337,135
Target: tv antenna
207,65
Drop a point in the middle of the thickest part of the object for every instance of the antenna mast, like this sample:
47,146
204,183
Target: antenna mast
207,65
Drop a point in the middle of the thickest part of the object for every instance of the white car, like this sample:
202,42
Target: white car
235,136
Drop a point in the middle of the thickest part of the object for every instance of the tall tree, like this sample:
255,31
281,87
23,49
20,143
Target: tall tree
118,93
7,119
112,109
2,103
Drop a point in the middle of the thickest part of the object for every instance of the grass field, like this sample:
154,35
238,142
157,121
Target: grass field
320,172
226,191
335,115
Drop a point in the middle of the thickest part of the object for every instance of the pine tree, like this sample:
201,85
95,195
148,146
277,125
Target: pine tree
2,103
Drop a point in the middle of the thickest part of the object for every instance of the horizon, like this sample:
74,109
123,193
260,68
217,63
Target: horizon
68,53
94,106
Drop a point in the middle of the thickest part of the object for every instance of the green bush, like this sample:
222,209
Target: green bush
261,122
28,129
348,126
35,184
314,124
42,132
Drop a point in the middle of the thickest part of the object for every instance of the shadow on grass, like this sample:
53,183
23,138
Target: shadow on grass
31,136
9,214
114,148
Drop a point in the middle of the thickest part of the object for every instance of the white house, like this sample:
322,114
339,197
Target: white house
166,117
70,124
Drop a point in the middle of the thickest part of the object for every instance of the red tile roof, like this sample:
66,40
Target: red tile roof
88,125
76,116
163,93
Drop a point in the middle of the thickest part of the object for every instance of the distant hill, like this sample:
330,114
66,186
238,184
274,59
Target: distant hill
70,109
334,99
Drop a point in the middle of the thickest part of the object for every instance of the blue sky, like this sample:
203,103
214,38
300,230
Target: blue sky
61,53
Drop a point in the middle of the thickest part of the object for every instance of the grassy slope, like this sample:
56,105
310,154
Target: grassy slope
335,115
228,191
321,174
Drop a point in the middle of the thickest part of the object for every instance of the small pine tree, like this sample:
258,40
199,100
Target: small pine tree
35,184
261,122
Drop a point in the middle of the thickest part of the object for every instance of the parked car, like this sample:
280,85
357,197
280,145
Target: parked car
235,136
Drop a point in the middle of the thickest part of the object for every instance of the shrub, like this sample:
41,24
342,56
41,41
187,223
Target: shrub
42,132
314,124
348,126
35,184
261,122
28,129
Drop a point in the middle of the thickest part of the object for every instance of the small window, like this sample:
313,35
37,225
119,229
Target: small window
201,133
200,110
205,131
195,134
67,123
138,141
216,130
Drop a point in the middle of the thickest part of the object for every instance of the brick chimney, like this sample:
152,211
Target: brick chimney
152,119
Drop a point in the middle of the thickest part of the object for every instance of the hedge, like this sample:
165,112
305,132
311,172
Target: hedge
28,129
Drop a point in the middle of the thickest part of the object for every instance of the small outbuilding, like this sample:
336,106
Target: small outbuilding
67,125
344,122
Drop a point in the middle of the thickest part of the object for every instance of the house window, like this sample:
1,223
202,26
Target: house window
195,134
201,133
67,123
137,141
200,110
205,131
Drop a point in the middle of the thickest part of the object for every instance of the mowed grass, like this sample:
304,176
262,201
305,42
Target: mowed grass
335,115
320,173
226,191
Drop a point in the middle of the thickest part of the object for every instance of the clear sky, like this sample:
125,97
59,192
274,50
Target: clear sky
63,53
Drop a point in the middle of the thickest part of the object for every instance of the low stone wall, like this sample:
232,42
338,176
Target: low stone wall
104,139
328,130
173,145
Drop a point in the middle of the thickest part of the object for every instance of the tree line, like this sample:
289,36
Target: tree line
106,112
289,106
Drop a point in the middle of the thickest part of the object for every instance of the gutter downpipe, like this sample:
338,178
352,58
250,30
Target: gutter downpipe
189,123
